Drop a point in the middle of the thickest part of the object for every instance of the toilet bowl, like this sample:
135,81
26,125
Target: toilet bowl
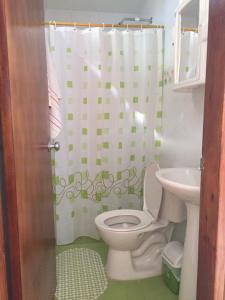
136,238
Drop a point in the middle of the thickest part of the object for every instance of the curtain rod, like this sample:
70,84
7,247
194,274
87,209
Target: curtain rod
74,24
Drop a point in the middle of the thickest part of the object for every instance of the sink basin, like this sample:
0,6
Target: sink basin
185,184
182,182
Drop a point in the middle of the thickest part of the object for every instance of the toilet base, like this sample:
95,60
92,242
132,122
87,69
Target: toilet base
122,266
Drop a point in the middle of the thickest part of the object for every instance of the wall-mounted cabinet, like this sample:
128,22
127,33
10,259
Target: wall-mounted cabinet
191,44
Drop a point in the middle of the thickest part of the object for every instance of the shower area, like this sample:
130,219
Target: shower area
109,78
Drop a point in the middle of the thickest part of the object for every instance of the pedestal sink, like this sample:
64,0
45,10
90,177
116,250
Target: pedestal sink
185,184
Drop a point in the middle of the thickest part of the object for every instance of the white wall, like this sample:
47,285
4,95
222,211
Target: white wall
84,16
182,128
182,112
95,11
161,10
99,11
115,6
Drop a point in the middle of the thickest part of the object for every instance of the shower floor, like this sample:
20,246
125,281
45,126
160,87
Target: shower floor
146,289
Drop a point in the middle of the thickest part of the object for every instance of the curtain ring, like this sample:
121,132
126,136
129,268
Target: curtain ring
103,26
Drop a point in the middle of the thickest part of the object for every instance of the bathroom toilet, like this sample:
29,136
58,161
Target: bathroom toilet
136,238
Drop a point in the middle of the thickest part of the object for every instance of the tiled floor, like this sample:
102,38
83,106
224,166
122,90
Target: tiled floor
146,289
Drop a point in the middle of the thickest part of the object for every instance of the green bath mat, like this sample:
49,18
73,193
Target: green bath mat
80,275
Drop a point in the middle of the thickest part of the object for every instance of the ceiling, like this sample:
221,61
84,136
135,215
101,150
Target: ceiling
112,6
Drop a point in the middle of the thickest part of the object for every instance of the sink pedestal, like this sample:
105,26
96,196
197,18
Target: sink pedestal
185,184
188,285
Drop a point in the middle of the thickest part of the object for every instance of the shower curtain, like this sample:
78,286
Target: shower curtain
111,85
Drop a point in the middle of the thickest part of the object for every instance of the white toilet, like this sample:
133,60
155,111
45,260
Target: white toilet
136,238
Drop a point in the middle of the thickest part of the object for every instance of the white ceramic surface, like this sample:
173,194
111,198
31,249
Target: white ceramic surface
182,182
185,184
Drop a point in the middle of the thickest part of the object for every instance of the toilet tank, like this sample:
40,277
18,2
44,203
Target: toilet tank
158,203
172,209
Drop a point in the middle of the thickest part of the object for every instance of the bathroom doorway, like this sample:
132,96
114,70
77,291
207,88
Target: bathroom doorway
27,172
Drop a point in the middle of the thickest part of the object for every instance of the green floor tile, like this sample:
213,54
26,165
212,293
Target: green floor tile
146,289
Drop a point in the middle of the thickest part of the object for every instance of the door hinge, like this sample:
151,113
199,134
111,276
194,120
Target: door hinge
202,164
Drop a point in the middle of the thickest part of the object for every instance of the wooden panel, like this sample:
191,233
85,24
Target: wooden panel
24,121
3,274
212,216
7,139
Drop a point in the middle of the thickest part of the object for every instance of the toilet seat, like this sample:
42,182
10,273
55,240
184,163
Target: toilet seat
124,220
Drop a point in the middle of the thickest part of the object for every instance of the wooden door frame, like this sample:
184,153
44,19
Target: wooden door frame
211,265
11,23
3,270
9,163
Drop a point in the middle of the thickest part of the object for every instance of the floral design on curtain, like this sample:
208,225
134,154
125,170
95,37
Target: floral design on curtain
111,84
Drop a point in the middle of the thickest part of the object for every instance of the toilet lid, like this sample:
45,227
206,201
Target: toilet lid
152,191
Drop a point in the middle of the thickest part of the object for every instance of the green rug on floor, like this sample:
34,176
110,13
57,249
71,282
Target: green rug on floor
145,289
80,275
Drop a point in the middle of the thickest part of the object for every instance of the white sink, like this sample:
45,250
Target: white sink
185,184
182,182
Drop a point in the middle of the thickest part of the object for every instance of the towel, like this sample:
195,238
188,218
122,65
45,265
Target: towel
54,97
